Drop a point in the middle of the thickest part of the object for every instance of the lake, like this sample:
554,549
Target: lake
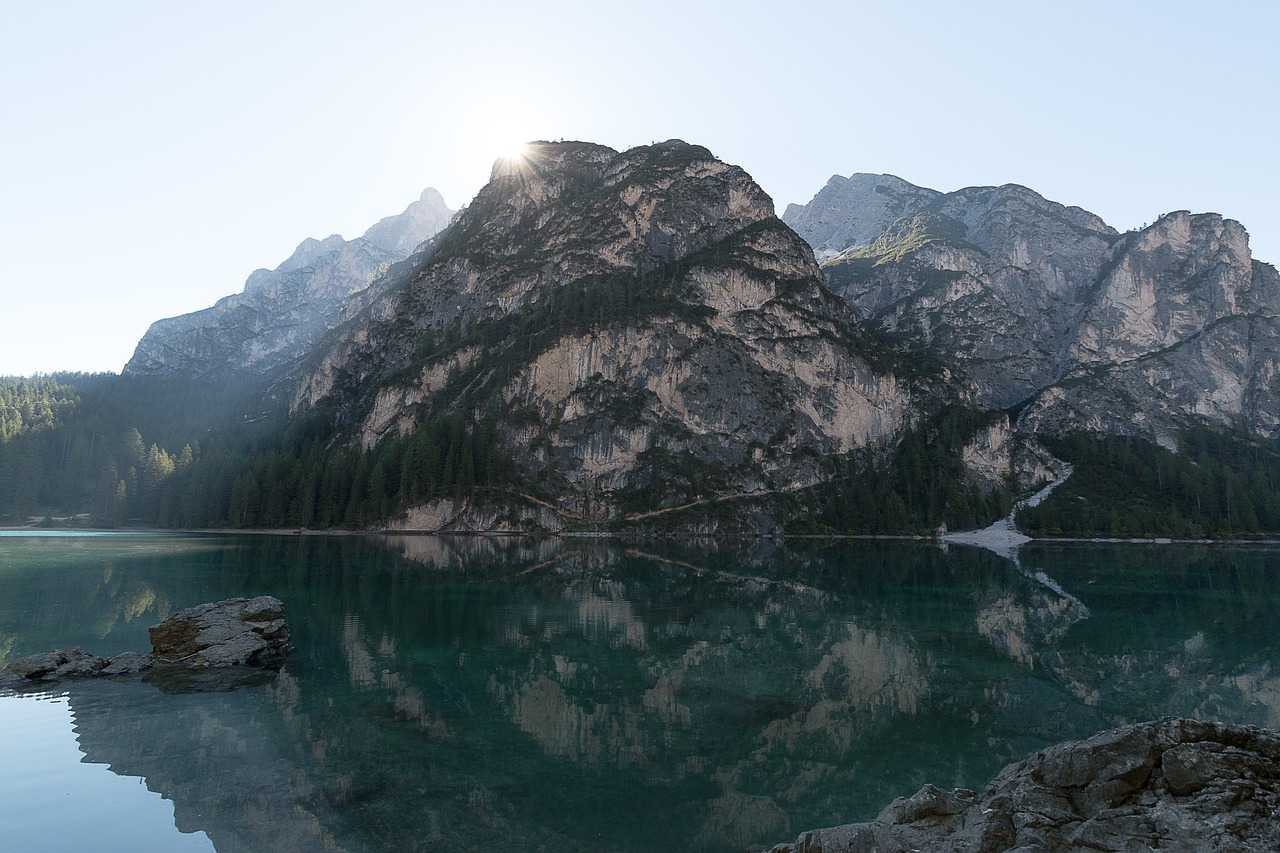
543,694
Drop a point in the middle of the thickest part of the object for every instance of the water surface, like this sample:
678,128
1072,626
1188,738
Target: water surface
537,694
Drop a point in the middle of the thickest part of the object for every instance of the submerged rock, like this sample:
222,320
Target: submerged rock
235,631
1172,784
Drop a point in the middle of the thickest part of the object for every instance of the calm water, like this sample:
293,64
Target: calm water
459,693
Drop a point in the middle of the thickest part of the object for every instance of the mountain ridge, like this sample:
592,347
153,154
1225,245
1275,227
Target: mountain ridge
281,313
1032,300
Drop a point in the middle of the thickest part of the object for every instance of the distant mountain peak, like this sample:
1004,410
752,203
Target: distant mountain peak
282,312
1045,306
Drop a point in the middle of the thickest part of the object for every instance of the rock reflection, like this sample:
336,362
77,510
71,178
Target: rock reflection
212,754
460,552
1032,616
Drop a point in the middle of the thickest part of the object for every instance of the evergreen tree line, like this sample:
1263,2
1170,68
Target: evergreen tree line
85,453
308,484
32,404
1220,483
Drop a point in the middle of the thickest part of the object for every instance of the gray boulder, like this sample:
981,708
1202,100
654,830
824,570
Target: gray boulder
235,631
74,662
1172,784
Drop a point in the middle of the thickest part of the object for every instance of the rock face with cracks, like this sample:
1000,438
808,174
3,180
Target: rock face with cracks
1046,307
235,631
283,312
1172,784
624,320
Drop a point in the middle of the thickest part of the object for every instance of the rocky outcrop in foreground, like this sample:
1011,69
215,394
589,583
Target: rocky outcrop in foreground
1172,784
225,633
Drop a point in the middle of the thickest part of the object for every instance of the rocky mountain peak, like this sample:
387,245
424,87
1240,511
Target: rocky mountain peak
399,235
1046,306
628,322
854,211
311,250
282,312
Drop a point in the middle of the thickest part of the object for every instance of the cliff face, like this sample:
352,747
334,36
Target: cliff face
1039,303
1183,327
632,320
283,312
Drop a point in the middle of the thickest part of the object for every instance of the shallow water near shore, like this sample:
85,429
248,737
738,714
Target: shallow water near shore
539,694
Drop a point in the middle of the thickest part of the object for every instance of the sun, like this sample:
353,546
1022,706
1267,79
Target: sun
512,160
513,151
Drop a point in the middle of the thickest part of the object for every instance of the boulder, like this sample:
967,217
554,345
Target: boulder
1171,784
128,663
235,631
74,662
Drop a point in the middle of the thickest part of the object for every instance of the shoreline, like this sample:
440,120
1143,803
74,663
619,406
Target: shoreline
977,538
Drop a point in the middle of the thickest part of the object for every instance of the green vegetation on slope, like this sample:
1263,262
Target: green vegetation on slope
1220,484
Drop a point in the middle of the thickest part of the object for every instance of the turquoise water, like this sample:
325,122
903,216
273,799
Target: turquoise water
469,692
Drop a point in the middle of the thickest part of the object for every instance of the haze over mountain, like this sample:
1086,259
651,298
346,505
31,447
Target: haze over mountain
282,312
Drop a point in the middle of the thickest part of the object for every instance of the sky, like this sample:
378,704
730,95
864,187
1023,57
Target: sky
153,154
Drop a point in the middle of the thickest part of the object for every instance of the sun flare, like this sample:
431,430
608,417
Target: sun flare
514,151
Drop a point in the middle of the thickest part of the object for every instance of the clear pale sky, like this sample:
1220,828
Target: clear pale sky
153,154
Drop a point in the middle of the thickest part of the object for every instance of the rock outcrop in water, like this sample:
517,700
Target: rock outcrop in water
235,631
1172,784
1045,305
225,633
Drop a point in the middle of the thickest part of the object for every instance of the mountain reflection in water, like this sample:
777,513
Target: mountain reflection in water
537,694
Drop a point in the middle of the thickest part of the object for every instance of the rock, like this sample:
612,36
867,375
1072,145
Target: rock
1171,784
235,631
928,802
74,662
733,373
1044,305
128,663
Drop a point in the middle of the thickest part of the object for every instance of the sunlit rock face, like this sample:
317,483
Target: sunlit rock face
681,328
1034,301
1000,456
282,312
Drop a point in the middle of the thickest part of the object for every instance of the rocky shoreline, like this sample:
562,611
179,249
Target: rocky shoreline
226,633
1171,784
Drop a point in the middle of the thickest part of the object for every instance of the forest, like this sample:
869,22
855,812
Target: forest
108,450
1220,484
112,450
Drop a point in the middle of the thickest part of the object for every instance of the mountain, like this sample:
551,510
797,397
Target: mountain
636,331
1046,308
283,312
